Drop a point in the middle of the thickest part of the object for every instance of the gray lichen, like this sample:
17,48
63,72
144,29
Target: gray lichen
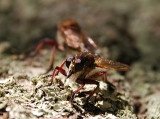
151,107
48,101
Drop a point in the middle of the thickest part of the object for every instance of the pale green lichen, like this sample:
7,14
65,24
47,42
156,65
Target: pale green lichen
53,98
48,101
3,103
40,100
126,114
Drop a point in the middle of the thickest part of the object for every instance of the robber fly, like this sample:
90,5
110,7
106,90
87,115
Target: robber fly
85,67
71,35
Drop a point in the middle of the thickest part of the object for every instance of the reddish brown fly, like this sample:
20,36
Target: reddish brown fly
83,68
69,34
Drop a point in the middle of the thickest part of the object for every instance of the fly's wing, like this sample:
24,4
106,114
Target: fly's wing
89,43
109,64
73,39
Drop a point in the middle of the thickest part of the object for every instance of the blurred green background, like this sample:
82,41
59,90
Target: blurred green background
129,29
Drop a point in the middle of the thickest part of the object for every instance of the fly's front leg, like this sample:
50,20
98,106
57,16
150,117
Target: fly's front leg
63,63
61,70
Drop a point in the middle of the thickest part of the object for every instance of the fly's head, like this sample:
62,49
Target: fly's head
69,24
81,62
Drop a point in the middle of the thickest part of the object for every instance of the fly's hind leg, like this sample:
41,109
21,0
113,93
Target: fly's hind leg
46,41
98,74
52,59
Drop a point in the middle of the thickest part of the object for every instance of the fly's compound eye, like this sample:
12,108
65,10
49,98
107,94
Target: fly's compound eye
68,61
96,55
78,65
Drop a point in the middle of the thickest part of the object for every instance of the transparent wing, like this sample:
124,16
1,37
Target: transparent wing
89,43
109,64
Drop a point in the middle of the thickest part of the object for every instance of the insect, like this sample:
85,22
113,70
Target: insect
69,34
85,67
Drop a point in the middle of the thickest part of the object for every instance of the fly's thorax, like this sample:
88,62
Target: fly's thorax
83,61
79,65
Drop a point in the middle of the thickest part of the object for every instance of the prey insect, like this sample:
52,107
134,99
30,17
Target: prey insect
69,34
85,67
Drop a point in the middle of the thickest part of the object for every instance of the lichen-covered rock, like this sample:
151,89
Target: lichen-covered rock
150,108
40,100
129,32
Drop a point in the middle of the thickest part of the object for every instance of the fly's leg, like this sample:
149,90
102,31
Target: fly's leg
83,82
96,75
46,41
63,63
76,91
58,69
52,59
90,81
105,77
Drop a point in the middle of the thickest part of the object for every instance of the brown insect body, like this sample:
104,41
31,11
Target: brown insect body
83,69
69,34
